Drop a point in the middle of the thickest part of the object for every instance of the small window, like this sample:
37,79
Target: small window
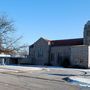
88,33
52,56
40,52
81,61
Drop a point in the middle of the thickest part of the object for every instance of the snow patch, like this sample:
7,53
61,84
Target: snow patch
78,81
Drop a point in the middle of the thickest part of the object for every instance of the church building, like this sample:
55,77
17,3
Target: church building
68,53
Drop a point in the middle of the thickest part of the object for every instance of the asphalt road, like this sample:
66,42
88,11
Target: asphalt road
11,82
38,80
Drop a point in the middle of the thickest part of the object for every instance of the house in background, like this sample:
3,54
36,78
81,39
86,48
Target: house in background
69,52
6,59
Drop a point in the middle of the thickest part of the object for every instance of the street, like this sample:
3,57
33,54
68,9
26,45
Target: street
38,80
11,82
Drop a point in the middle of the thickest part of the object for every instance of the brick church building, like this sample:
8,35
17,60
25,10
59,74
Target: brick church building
69,52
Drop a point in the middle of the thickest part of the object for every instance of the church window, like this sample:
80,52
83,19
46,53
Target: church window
40,52
88,33
52,56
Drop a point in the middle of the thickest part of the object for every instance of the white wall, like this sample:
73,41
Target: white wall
88,56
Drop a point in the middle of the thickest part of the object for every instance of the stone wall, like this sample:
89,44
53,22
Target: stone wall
87,33
39,52
59,53
79,56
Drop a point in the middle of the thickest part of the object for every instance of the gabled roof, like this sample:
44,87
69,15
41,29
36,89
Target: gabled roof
67,42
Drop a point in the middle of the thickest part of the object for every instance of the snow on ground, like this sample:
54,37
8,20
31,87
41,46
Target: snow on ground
37,67
84,82
20,68
29,67
79,79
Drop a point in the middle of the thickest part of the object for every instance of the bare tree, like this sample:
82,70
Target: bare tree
6,27
23,50
7,43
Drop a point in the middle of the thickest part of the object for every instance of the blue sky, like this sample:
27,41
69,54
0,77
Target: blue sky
51,19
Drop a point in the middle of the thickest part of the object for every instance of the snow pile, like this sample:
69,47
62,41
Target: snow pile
79,79
84,82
